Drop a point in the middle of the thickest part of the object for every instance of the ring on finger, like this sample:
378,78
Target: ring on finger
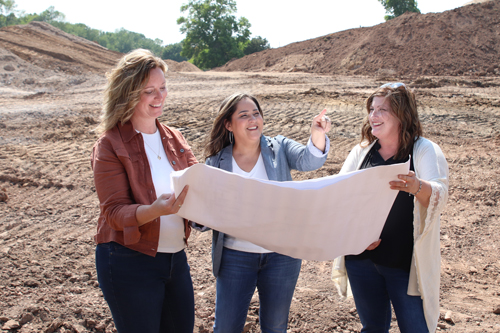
406,184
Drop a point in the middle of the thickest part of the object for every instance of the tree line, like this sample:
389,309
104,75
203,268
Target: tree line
213,33
206,46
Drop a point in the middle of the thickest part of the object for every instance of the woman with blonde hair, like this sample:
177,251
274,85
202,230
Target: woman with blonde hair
140,260
401,268
237,144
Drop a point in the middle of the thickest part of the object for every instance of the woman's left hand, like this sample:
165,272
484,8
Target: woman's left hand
408,183
321,125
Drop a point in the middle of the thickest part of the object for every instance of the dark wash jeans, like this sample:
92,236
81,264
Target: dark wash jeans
146,294
273,274
374,288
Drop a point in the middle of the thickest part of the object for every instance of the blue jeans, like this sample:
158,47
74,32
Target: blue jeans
146,294
374,287
275,276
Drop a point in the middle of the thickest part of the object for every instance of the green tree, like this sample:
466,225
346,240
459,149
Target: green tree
7,13
256,44
394,8
173,52
213,34
7,6
50,14
10,19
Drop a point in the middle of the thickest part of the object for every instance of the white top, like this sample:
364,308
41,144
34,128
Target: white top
233,243
171,238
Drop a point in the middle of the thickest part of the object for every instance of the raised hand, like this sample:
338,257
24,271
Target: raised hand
321,125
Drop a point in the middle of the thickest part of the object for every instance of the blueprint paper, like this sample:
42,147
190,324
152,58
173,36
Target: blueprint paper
317,219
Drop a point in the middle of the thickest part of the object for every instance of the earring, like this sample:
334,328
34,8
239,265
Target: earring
231,137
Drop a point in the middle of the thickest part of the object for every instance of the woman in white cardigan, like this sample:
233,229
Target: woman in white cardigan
403,266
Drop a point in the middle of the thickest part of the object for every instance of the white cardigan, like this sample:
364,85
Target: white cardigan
430,165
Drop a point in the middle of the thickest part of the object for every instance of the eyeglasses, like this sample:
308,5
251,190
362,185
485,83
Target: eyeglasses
393,85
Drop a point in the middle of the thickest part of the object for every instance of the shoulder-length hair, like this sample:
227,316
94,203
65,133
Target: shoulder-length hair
219,136
404,108
125,82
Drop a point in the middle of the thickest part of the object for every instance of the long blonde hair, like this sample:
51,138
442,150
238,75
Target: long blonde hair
125,82
219,136
404,108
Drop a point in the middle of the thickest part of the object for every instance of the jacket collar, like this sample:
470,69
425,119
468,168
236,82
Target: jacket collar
226,158
128,131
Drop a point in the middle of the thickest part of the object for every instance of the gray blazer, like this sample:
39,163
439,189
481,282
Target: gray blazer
280,155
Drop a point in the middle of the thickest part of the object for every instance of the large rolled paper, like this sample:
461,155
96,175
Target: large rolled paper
317,219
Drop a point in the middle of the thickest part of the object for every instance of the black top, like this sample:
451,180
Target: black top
396,248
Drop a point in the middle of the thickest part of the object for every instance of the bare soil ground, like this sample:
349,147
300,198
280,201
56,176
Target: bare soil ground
50,103
49,208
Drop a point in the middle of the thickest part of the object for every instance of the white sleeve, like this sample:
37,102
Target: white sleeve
315,151
431,165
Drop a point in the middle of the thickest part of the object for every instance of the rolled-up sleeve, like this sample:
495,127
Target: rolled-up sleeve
303,158
316,151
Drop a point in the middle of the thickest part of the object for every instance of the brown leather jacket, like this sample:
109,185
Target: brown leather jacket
123,182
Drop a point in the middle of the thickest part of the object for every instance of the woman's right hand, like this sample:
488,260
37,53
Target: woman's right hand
321,125
165,204
374,245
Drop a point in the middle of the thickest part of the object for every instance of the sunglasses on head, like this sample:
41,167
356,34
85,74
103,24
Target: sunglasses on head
393,85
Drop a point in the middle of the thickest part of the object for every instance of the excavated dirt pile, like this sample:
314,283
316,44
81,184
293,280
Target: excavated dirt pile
47,47
41,46
462,41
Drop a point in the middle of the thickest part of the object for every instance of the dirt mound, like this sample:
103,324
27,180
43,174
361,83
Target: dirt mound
47,47
39,46
183,66
462,41
476,1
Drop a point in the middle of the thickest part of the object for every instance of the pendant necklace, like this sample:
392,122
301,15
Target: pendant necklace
159,148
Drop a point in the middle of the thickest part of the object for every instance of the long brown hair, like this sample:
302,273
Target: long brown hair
404,108
219,136
125,82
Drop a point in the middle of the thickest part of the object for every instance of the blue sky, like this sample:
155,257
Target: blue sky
280,22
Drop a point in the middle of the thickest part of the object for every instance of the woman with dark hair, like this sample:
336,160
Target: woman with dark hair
141,264
403,266
236,144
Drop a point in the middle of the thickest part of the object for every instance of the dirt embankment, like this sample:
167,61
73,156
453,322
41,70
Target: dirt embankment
462,41
47,47
41,45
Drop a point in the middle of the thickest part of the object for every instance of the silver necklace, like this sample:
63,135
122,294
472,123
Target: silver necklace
159,148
